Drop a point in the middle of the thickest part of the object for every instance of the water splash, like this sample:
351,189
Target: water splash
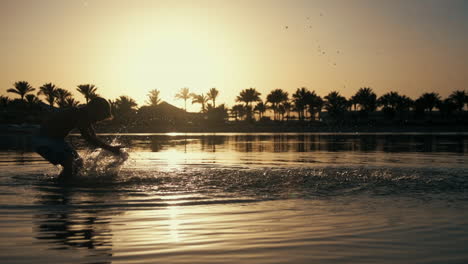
102,164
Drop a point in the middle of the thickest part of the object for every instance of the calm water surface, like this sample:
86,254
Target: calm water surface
241,198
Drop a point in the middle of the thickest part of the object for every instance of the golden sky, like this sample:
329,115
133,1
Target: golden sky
128,47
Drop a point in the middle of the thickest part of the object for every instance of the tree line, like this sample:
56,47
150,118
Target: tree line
302,105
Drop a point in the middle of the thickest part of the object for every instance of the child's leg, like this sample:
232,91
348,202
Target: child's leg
57,151
72,163
67,165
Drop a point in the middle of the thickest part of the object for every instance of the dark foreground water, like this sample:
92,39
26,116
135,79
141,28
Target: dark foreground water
238,198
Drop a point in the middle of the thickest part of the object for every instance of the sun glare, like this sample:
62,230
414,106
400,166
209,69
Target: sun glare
168,57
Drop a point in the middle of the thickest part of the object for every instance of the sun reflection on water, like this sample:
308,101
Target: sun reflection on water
174,223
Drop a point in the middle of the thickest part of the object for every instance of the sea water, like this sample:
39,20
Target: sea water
241,198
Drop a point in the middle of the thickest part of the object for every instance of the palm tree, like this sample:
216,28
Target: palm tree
212,94
61,96
71,102
300,98
4,101
314,104
49,90
403,105
238,111
366,99
22,88
184,94
352,102
419,107
388,102
31,99
200,99
275,98
125,103
335,104
153,97
124,108
88,91
217,114
285,109
447,107
248,96
429,101
459,98
260,108
393,103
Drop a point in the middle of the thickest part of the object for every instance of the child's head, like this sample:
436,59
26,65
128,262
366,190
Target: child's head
99,109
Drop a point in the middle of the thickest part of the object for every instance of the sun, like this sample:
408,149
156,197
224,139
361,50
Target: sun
170,57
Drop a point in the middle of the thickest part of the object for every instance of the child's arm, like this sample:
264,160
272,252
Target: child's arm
90,136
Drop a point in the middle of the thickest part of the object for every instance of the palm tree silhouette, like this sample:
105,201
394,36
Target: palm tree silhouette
429,101
285,109
88,91
49,90
248,96
314,104
62,95
31,99
260,108
389,100
22,88
71,102
335,104
217,114
300,98
200,99
153,97
184,94
459,98
124,108
403,106
393,102
125,103
447,107
366,99
238,111
212,94
275,98
4,100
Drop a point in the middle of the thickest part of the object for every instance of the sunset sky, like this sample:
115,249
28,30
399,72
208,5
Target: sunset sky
128,47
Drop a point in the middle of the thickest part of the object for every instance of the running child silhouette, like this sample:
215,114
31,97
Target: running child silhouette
50,141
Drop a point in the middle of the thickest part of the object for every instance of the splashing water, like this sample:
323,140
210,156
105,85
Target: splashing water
102,164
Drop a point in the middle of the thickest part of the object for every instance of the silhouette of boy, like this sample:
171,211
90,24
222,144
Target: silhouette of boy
50,141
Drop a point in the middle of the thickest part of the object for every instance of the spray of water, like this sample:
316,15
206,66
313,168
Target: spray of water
101,164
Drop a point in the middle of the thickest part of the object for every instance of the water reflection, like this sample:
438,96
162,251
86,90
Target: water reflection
66,220
307,149
279,143
304,143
